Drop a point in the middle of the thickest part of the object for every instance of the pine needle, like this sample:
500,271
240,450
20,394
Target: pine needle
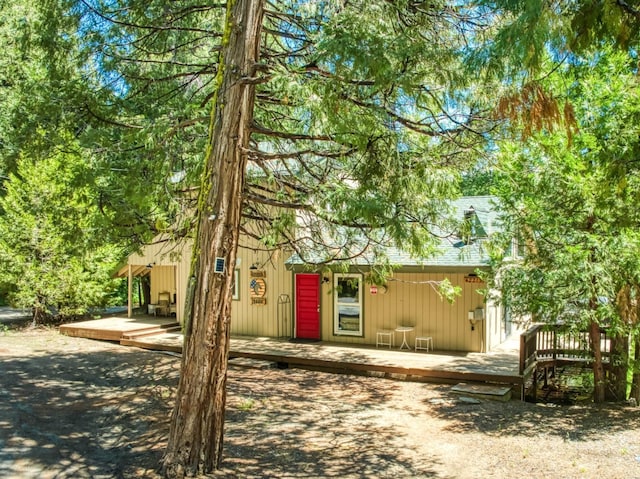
535,110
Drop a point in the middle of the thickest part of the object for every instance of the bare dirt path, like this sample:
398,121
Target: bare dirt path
78,408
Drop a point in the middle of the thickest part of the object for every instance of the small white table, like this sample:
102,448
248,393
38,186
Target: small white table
404,330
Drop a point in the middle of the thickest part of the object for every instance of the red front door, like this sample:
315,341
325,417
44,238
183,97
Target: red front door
308,306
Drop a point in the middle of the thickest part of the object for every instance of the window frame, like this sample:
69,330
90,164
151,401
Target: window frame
518,247
337,331
236,284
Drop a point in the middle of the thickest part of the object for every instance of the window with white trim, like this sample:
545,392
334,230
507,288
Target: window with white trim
518,247
347,294
236,285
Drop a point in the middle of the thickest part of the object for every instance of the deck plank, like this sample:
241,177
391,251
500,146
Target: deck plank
494,367
113,328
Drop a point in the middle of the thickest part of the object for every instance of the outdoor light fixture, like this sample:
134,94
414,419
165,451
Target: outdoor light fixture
474,316
471,316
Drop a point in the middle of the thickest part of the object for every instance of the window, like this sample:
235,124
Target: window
518,247
471,228
347,293
236,285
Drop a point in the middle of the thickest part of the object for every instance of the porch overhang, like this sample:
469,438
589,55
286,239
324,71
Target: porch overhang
137,270
131,271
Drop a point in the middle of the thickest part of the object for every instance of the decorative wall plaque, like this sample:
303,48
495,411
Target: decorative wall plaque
257,273
257,290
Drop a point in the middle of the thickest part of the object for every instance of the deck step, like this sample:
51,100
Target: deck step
252,363
483,391
151,331
165,341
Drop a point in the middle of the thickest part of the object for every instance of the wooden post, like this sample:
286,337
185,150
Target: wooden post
523,353
129,294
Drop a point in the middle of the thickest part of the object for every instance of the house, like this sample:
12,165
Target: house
279,296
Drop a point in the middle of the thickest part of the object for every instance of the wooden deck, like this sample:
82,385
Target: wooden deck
115,328
500,366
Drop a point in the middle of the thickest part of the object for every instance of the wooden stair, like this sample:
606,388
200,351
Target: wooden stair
164,337
151,331
163,341
493,392
115,328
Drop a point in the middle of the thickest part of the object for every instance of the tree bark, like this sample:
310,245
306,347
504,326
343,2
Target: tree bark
635,383
619,364
599,380
598,369
196,433
145,285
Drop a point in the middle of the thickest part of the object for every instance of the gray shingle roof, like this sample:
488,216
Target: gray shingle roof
452,252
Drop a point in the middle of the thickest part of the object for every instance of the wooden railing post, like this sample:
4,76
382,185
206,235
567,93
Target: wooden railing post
523,352
528,356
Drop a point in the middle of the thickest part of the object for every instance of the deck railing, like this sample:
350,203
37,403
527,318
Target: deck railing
543,347
558,343
528,349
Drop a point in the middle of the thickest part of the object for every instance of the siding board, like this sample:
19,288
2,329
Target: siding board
409,300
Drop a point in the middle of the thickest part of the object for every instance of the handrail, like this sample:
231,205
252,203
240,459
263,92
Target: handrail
557,342
528,348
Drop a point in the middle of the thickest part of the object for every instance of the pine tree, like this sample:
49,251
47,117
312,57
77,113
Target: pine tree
53,259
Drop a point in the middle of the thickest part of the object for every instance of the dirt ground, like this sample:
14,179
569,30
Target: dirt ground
79,408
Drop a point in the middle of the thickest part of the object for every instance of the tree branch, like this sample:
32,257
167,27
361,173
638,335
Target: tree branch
256,128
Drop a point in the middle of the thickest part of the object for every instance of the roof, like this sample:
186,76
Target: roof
136,270
481,215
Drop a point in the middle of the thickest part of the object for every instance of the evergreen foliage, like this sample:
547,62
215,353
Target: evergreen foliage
574,207
52,256
363,117
527,30
354,125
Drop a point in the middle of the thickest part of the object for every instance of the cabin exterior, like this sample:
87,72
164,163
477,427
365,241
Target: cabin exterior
278,296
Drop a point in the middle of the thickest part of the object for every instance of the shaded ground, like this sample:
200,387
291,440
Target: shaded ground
78,408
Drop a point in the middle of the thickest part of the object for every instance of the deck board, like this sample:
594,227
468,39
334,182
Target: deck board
499,366
113,328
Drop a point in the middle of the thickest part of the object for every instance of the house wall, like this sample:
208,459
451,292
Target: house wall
183,268
168,261
411,301
274,318
162,279
269,319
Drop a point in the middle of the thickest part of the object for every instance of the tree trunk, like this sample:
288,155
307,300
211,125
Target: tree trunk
145,284
599,380
598,369
635,383
196,433
619,364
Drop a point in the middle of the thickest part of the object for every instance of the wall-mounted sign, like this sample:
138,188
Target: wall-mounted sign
257,273
257,290
472,278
